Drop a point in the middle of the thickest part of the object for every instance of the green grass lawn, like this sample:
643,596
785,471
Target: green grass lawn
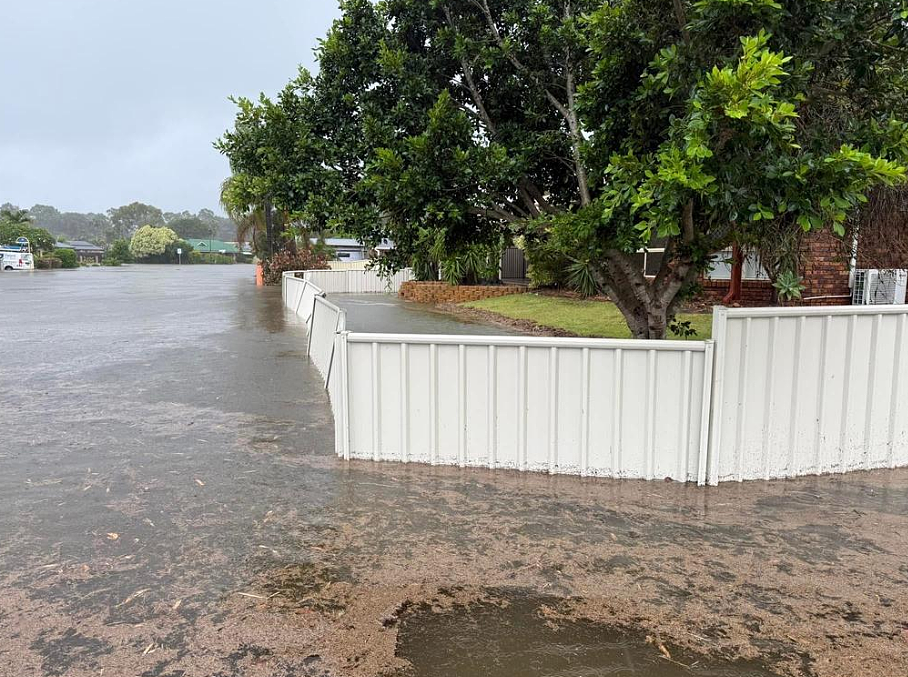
594,319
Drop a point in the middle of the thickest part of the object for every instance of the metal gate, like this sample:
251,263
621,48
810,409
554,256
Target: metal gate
513,264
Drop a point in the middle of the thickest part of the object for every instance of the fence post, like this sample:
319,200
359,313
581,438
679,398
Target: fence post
703,451
302,296
345,396
720,338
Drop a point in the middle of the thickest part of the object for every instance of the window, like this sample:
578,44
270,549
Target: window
722,264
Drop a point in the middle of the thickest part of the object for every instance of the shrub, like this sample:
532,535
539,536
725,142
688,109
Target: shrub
547,266
119,251
217,259
112,261
48,263
67,257
151,243
284,261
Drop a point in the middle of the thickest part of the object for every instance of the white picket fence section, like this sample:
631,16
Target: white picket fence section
804,391
778,392
632,409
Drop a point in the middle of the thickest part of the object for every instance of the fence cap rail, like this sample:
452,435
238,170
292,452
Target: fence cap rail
306,283
529,342
322,299
812,311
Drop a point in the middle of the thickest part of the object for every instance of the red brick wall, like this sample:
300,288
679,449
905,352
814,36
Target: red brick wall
826,270
754,293
442,292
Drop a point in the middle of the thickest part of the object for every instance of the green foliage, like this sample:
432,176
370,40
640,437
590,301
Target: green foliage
214,259
151,242
48,262
282,262
119,250
15,223
191,227
68,258
590,128
591,318
789,286
126,220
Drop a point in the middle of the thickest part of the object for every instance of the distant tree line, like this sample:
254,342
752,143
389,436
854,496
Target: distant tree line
122,222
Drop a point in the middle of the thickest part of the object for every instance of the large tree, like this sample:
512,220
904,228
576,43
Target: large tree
16,223
127,219
592,127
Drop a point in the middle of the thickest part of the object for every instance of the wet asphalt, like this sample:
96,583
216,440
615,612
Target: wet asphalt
170,505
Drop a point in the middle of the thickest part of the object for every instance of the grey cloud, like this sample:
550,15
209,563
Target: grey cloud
103,102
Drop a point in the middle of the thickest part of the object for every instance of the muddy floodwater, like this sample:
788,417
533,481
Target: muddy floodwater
171,506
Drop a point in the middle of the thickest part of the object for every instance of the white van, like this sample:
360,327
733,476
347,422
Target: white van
17,256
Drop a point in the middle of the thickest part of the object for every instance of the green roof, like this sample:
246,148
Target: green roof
212,246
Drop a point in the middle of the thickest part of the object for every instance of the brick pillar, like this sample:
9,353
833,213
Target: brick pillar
825,273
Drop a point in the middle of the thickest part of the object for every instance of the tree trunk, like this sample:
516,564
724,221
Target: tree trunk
647,305
269,227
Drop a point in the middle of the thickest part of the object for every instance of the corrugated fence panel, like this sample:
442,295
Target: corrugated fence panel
357,281
802,391
593,407
783,392
327,320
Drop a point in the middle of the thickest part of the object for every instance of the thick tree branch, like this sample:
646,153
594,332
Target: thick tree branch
471,83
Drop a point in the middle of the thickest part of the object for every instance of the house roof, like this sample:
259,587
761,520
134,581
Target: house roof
340,242
210,245
352,243
80,246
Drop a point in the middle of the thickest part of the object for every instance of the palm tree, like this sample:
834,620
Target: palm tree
249,217
15,217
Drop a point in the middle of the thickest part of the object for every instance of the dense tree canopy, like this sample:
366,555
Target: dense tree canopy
98,228
16,223
589,128
127,219
150,241
190,227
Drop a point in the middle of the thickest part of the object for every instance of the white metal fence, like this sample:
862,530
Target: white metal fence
777,393
590,407
802,391
357,281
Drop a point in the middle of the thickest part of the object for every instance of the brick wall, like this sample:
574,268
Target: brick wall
826,270
442,292
754,293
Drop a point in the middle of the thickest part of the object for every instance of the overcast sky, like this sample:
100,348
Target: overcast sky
105,102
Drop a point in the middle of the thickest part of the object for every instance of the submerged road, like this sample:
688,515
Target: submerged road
170,505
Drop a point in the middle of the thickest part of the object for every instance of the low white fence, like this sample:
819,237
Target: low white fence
778,392
348,265
591,407
803,391
357,281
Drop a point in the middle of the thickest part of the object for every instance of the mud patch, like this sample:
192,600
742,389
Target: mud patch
305,586
515,633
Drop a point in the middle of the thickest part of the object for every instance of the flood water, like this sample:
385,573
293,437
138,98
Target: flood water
171,506
510,636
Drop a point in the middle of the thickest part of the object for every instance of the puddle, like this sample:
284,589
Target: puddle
511,638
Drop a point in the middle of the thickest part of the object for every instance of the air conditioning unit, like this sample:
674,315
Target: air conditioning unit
874,287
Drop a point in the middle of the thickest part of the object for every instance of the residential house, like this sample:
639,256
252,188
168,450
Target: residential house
212,246
86,252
